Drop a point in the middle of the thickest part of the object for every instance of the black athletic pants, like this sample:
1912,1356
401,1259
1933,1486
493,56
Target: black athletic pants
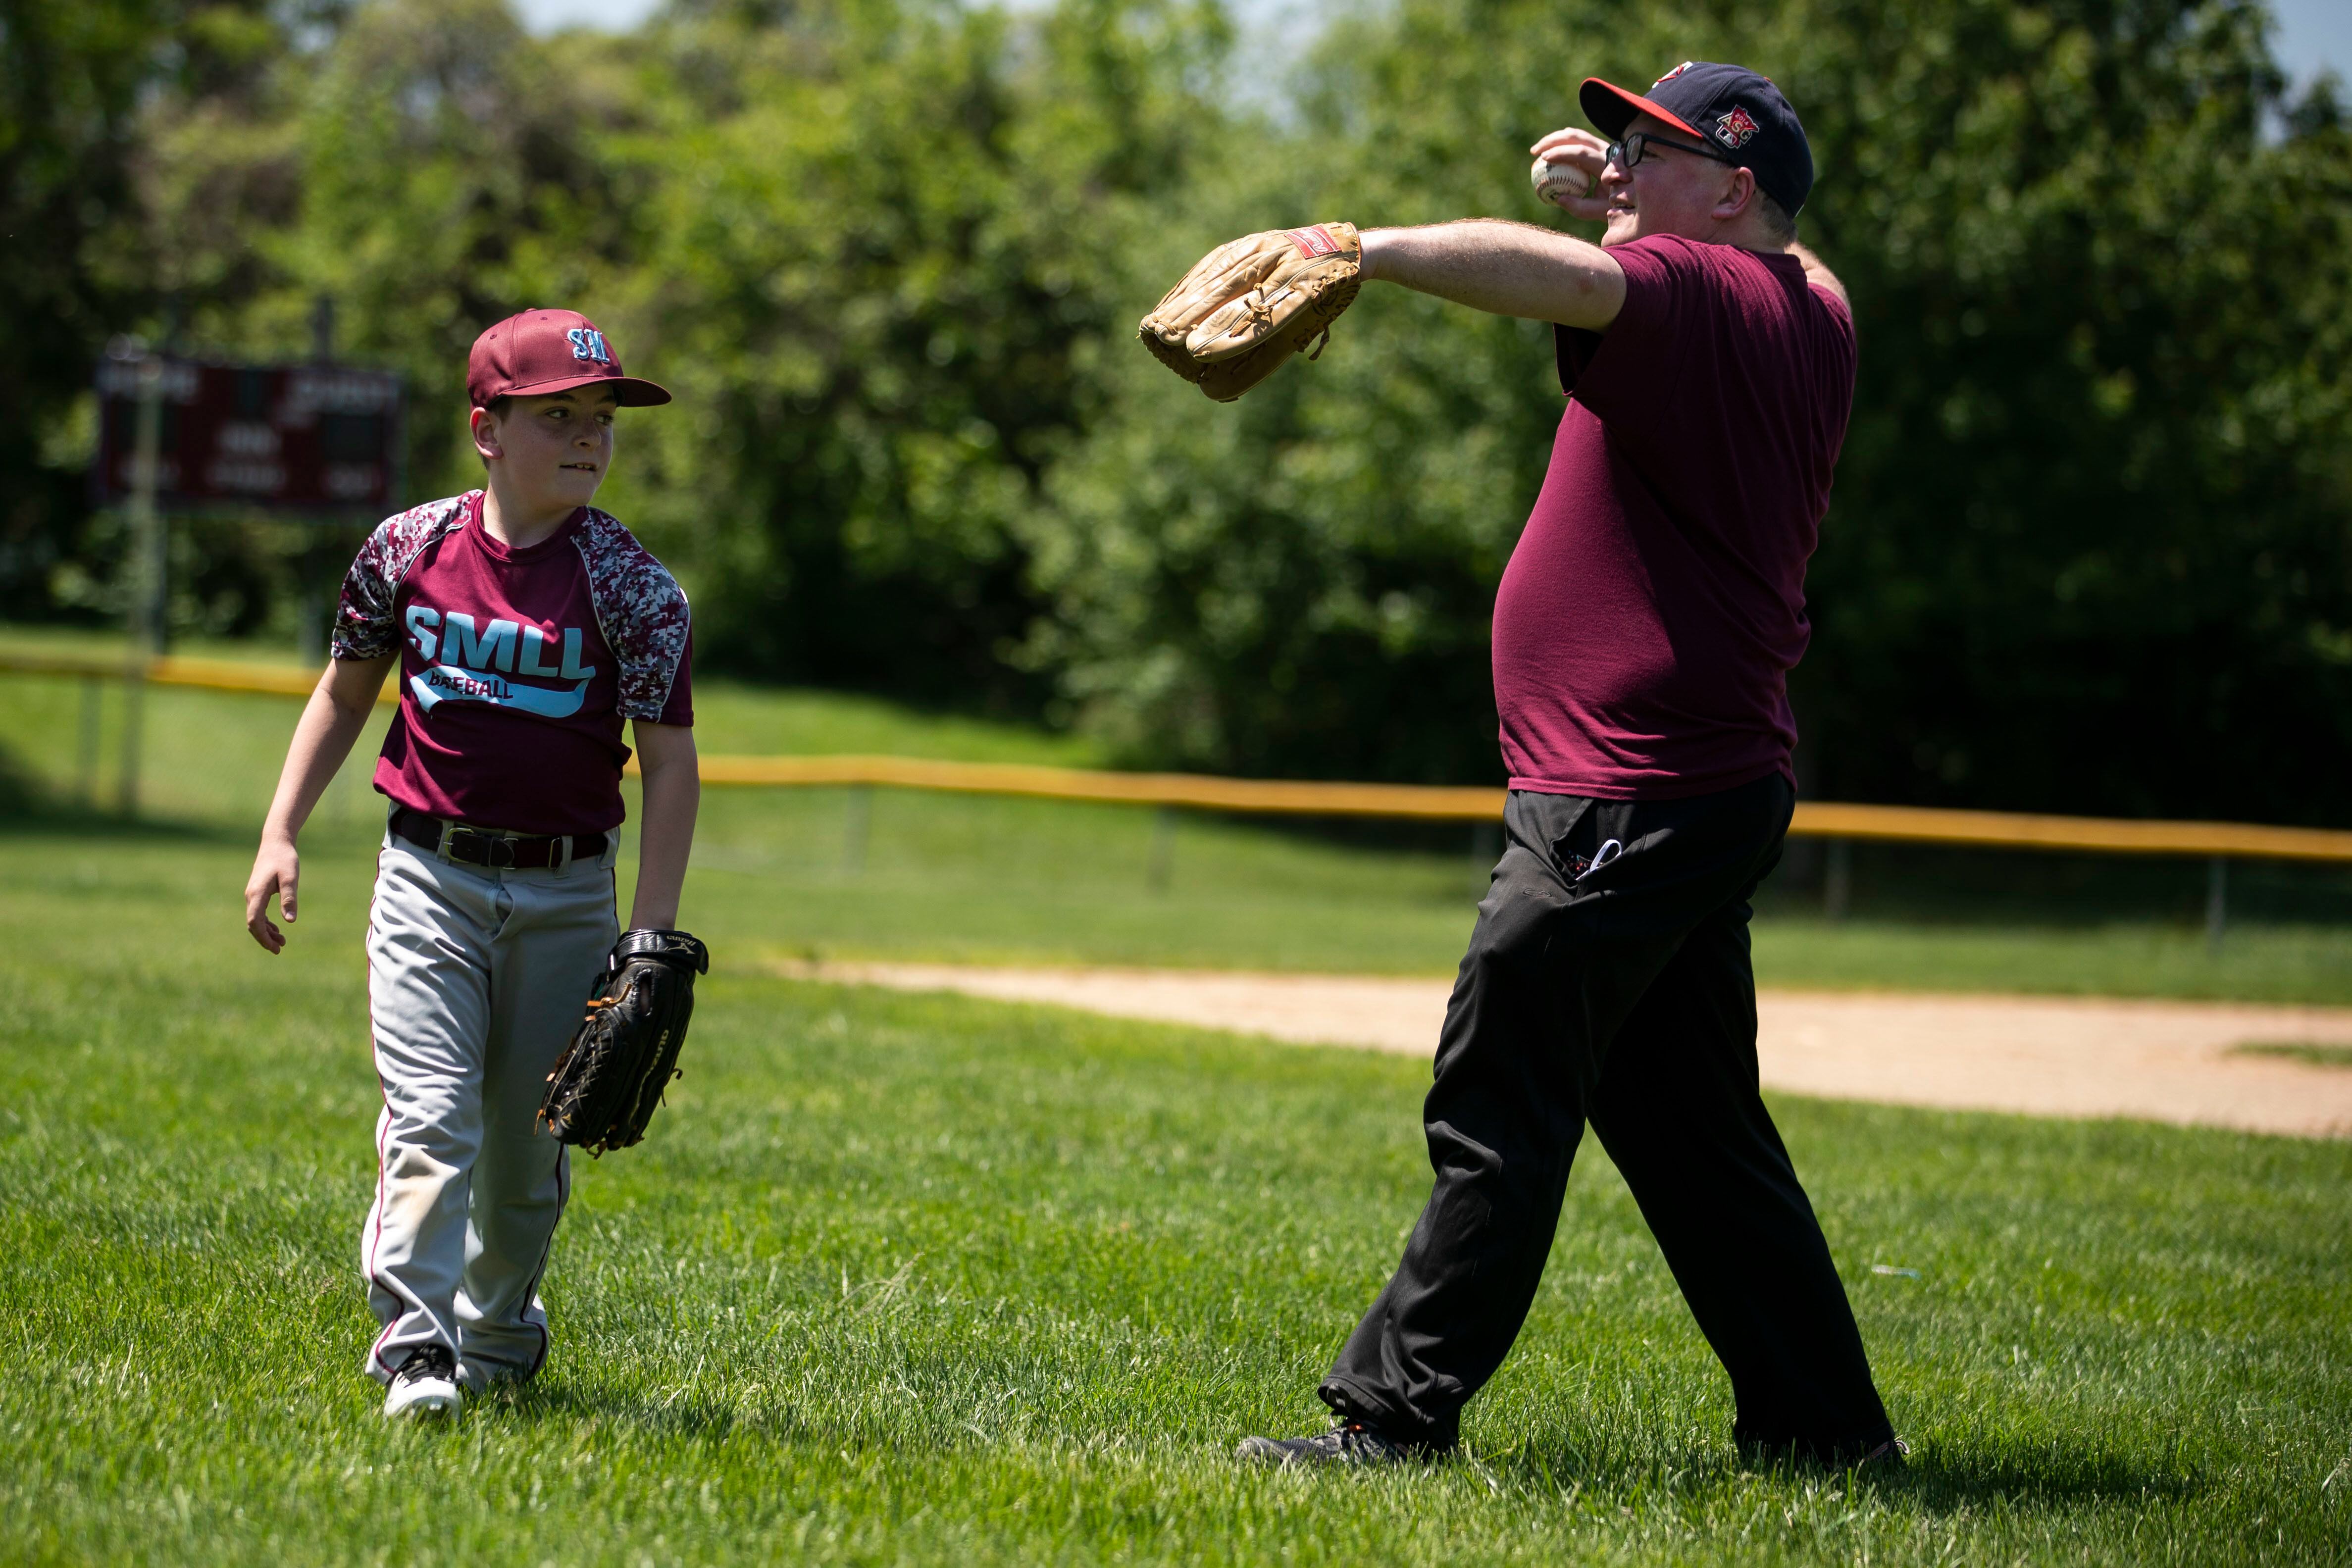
1613,987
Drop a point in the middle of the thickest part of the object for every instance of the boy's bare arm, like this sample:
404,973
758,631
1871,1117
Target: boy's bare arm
673,794
331,720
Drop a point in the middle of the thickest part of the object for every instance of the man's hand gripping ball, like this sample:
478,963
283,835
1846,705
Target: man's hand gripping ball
1567,171
610,1078
1252,303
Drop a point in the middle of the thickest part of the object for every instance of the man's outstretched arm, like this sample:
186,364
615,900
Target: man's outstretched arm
1506,269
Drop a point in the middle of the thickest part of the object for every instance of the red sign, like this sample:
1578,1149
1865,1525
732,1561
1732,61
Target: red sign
321,439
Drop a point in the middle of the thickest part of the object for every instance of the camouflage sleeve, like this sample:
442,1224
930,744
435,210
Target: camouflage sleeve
642,612
366,626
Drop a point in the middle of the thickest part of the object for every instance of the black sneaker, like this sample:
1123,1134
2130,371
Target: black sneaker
1346,1443
426,1384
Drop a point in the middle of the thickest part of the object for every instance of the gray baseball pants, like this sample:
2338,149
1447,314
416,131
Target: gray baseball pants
476,980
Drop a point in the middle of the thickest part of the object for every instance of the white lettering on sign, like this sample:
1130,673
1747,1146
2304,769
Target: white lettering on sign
120,378
248,438
248,475
351,481
339,391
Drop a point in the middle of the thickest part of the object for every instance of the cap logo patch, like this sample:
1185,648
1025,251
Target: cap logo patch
1734,129
587,343
1671,75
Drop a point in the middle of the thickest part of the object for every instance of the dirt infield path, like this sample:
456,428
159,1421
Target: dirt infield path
2168,1062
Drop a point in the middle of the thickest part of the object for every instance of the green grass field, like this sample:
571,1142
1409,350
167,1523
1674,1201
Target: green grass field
786,873
919,1279
912,1279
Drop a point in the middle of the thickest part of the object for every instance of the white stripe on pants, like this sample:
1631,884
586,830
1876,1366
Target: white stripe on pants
476,980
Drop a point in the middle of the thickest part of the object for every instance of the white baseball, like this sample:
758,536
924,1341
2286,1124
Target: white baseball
1558,182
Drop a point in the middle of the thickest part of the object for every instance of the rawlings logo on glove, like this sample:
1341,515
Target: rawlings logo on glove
1250,304
609,1080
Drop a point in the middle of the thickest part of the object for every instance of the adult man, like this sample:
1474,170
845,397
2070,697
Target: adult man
1642,636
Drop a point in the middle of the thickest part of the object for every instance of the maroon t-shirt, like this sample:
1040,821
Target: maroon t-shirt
1655,603
517,666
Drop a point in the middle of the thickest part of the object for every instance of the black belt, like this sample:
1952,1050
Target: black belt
499,851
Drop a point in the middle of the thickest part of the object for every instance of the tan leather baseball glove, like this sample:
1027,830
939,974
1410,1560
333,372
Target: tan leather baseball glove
1251,303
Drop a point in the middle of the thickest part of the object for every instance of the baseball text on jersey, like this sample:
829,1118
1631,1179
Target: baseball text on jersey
473,662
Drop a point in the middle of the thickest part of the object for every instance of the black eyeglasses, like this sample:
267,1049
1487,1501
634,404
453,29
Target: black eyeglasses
1631,152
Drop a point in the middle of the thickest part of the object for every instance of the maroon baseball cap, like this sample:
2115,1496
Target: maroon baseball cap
542,351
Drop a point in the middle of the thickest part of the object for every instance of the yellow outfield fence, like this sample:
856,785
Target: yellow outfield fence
199,675
1269,796
1910,824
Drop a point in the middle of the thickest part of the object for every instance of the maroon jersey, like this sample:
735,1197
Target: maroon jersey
517,666
1655,603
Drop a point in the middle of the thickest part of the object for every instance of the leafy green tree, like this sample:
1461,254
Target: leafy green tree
422,163
1302,582
877,247
451,174
868,241
82,256
2091,549
2088,548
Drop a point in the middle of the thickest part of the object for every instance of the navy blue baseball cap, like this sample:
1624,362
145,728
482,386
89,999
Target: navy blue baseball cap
1729,106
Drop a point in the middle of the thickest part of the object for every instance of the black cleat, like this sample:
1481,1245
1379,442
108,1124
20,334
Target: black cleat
1879,1458
1346,1443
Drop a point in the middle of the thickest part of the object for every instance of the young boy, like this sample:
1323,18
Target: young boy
527,626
